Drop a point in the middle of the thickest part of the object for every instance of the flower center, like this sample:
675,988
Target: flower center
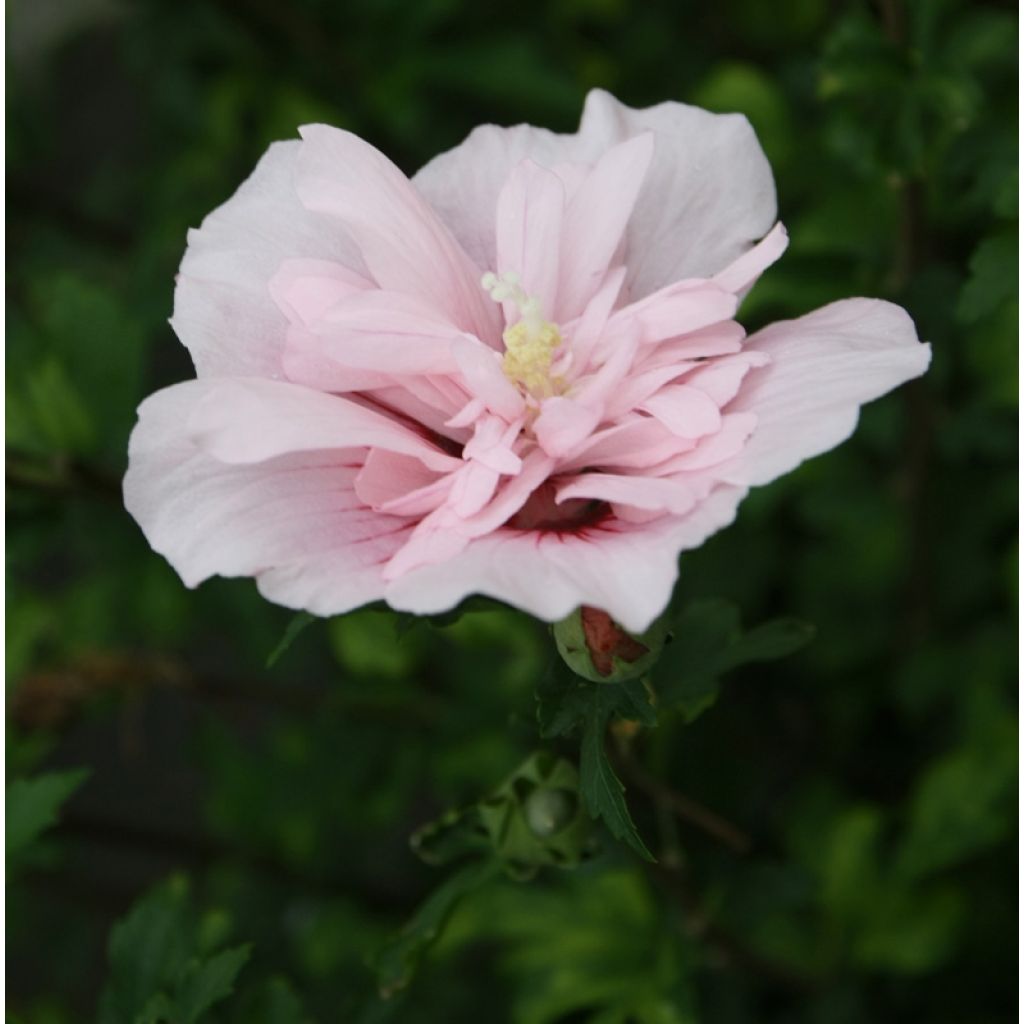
530,343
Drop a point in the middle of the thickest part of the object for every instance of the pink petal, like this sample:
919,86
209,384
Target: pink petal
473,487
563,424
719,339
403,242
627,570
463,184
640,385
223,309
824,366
481,369
714,449
389,333
596,219
245,420
708,195
444,533
491,445
661,494
529,229
306,362
305,289
744,271
679,309
686,411
633,444
721,378
296,513
586,332
387,476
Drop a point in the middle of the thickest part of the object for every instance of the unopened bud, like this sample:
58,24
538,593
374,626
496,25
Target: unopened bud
596,647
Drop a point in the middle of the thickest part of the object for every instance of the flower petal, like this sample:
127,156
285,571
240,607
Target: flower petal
824,366
298,514
403,242
245,420
223,310
744,271
685,410
481,369
463,184
708,196
627,570
596,219
528,233
388,332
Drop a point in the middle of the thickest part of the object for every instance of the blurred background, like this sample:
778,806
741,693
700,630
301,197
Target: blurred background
870,778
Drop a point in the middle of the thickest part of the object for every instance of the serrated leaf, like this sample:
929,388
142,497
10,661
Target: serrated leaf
708,642
453,835
603,793
563,699
993,278
33,804
632,701
775,639
207,983
295,626
147,951
397,961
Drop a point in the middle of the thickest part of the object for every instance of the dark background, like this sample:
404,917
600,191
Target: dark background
873,773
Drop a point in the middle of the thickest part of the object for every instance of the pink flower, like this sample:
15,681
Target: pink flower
517,374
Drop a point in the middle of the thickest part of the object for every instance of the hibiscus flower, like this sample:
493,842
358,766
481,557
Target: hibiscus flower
517,374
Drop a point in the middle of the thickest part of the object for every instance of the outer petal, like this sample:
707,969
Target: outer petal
223,310
824,366
708,196
250,420
292,521
627,570
404,244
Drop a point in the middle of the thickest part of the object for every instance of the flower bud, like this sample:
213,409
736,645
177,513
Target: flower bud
548,811
597,648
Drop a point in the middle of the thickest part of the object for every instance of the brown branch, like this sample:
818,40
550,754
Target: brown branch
683,807
54,697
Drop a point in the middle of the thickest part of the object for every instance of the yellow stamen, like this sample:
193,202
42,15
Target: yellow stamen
530,343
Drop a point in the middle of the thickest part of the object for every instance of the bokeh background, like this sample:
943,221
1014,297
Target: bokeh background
873,773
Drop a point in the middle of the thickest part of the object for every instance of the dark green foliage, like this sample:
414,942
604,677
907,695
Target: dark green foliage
833,841
160,970
32,806
707,642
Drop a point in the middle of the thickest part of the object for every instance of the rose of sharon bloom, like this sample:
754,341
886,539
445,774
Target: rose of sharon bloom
517,374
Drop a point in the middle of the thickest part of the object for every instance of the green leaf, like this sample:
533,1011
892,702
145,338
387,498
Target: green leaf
963,803
993,278
397,961
597,947
206,983
147,951
32,806
364,643
295,626
564,700
708,641
602,791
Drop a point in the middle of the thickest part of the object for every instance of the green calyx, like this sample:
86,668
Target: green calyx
597,648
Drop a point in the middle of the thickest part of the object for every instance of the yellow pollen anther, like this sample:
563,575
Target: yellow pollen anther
530,343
